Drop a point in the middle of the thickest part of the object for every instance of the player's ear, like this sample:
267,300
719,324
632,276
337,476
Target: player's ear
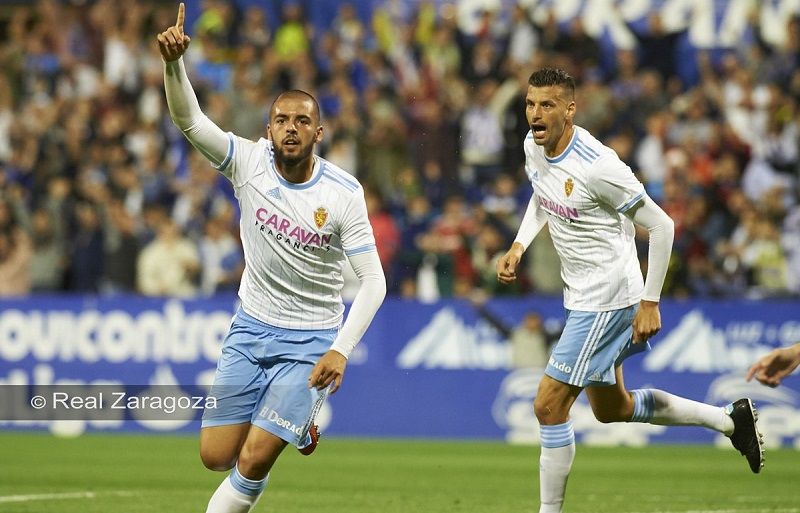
269,133
570,110
318,135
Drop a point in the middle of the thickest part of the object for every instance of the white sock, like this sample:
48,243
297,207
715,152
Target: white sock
658,407
236,494
555,461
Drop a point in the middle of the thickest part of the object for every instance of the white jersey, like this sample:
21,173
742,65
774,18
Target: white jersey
585,192
295,236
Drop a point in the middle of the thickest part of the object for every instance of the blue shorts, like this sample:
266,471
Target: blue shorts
262,377
592,345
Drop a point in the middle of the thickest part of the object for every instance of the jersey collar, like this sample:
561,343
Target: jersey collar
316,174
564,153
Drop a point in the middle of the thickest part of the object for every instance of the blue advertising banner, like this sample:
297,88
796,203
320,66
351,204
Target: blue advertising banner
441,370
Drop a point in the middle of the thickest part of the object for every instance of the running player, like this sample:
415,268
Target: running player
301,216
591,200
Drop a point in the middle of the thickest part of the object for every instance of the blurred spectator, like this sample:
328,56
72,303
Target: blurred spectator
580,47
764,255
169,265
416,221
349,32
544,266
387,236
490,245
292,36
221,258
523,40
255,29
657,45
501,203
122,247
448,242
482,138
651,153
15,254
49,255
86,255
529,347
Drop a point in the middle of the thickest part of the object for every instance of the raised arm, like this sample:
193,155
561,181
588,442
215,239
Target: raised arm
184,108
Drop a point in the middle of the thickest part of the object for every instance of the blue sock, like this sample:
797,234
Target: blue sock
247,486
559,435
643,405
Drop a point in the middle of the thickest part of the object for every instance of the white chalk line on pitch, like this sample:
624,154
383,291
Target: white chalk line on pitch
61,496
746,510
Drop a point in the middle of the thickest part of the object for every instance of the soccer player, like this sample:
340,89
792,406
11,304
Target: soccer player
591,200
772,368
300,217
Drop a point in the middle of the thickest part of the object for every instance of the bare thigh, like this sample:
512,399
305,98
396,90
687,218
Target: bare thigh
612,403
220,445
253,449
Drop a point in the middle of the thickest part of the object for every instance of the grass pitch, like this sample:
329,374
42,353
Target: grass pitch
150,473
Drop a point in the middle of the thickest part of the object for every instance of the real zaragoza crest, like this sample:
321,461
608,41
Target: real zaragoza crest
568,186
320,217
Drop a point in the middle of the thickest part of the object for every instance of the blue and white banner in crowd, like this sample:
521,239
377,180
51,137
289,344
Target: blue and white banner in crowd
439,370
717,26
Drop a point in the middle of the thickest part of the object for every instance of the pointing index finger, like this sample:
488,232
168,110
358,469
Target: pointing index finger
181,17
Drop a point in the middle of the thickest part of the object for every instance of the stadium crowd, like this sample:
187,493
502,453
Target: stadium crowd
101,194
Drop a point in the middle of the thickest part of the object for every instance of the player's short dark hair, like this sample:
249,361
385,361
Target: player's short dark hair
299,93
546,77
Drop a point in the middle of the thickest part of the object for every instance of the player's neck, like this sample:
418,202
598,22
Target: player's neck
296,173
562,142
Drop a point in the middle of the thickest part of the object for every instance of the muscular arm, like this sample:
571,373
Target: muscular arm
185,112
648,215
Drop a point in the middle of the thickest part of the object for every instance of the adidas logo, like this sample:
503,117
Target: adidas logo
274,193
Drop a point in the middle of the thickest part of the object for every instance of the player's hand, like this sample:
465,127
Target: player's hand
775,366
172,43
646,322
507,264
329,369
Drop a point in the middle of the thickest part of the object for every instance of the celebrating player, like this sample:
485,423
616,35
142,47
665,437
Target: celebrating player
590,199
300,217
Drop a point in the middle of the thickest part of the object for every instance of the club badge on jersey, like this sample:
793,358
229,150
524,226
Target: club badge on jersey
320,217
568,186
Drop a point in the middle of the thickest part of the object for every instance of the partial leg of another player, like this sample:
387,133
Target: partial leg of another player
250,452
614,403
557,439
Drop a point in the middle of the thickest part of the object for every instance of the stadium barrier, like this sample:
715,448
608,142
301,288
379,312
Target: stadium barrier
440,370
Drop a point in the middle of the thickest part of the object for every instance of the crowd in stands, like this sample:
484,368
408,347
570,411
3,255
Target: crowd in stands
99,192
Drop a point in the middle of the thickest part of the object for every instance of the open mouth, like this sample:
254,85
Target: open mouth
291,142
539,130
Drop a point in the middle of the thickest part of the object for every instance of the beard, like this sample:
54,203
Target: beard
293,160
